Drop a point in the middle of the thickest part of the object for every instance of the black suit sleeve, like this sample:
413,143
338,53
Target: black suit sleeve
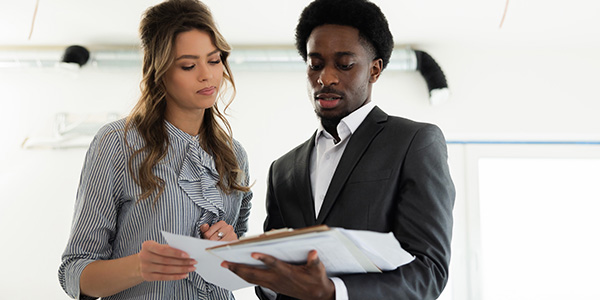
422,214
274,219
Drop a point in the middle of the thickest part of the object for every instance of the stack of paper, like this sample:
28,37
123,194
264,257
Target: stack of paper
341,251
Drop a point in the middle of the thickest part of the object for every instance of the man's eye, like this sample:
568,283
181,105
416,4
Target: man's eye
315,67
346,66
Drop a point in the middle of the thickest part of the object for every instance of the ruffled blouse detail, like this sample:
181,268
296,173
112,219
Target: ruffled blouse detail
198,176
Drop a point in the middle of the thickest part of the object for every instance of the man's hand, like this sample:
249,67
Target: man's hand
307,281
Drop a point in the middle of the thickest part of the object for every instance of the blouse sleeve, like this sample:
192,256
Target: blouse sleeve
95,216
242,223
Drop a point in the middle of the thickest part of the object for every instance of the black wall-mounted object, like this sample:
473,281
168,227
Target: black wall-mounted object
431,71
76,54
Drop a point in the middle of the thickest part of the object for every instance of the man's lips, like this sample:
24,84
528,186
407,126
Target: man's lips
328,100
328,96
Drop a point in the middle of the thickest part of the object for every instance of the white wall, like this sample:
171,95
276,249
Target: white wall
498,92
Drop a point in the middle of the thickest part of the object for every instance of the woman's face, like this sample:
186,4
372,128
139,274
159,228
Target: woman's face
192,82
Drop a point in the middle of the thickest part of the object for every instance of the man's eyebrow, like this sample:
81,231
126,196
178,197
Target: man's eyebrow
189,56
345,53
337,54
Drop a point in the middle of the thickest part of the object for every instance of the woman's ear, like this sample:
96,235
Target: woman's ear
376,68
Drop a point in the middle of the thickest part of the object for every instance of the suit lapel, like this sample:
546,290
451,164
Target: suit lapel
357,145
302,182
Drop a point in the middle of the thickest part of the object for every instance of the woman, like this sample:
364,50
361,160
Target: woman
169,166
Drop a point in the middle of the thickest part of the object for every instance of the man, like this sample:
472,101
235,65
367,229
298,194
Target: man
362,169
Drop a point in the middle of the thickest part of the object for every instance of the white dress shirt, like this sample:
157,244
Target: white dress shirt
327,153
323,162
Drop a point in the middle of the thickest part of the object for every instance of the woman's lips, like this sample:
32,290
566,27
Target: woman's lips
207,91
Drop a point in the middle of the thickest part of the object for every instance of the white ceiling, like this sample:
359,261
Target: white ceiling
272,22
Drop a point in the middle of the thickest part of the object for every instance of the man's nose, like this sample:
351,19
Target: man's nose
328,77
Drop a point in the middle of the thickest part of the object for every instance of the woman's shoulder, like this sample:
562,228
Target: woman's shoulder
113,134
111,131
239,151
114,127
117,130
108,141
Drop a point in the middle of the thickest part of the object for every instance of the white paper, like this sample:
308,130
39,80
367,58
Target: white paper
336,258
209,265
341,251
382,248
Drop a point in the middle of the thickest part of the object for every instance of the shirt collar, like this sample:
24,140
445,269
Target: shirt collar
349,123
175,132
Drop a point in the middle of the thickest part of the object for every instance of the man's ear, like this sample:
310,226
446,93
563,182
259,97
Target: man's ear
376,69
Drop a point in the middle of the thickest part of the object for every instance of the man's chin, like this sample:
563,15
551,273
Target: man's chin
329,119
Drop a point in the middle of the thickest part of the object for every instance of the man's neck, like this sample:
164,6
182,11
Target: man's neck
331,127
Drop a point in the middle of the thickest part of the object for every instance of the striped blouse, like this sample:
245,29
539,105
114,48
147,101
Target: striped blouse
109,224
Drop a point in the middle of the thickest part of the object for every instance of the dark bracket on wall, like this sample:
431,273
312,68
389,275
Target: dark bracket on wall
434,77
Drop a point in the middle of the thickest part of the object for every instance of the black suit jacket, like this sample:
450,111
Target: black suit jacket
393,176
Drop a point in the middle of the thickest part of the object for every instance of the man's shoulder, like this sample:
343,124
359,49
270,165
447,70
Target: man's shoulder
400,122
295,153
403,129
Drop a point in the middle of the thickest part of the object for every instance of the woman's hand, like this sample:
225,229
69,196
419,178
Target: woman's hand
220,231
159,262
154,262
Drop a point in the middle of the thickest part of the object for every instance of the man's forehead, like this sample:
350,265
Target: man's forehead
344,31
335,41
334,38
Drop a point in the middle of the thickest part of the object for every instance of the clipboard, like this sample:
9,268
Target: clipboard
338,254
343,251
275,234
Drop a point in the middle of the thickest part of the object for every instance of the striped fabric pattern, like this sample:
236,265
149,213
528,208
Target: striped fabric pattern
109,224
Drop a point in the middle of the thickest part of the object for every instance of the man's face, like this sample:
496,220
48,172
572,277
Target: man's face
340,71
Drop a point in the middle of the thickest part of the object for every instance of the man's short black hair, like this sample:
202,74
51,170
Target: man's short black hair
360,14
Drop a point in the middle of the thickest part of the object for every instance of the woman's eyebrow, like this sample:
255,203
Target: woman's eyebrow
190,56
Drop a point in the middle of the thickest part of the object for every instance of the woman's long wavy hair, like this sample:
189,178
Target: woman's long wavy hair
158,30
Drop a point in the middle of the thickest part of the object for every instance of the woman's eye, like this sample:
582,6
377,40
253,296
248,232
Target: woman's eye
215,62
187,68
